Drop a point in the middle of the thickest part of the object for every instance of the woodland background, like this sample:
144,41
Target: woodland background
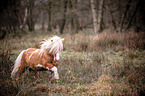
72,15
104,46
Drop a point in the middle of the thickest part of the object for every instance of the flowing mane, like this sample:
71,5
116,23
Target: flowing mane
52,46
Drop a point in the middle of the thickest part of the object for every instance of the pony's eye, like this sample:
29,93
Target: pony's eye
51,40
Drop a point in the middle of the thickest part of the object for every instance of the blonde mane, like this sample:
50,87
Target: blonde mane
52,46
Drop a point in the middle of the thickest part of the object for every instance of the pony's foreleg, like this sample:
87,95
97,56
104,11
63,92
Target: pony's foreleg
52,68
56,75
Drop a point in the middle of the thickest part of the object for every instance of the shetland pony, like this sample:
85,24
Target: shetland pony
47,57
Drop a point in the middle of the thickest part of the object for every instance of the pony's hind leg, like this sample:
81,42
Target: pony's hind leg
17,65
23,67
21,70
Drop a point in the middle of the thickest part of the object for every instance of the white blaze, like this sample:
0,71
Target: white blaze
57,57
39,65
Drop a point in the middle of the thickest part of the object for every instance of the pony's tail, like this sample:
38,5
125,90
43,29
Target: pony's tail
17,65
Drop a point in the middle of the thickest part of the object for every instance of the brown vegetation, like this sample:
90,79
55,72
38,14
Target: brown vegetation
103,64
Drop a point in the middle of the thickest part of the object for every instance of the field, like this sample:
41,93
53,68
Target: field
108,63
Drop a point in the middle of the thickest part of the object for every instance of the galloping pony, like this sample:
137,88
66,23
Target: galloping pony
47,57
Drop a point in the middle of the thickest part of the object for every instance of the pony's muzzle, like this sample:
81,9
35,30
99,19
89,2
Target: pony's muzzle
56,60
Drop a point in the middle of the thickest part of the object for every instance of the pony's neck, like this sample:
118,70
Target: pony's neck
42,52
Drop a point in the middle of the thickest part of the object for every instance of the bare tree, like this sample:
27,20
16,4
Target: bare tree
47,5
64,16
43,20
74,18
24,19
135,11
139,23
9,13
100,16
50,15
33,13
94,16
124,15
111,11
30,20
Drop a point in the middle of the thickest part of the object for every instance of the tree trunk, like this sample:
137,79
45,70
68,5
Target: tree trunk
120,13
94,16
2,33
100,16
111,13
31,27
124,15
30,21
64,16
25,18
43,20
140,17
75,26
30,18
50,16
135,11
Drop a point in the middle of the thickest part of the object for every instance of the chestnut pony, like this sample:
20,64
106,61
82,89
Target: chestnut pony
47,57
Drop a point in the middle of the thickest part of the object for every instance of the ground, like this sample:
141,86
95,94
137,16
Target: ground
107,63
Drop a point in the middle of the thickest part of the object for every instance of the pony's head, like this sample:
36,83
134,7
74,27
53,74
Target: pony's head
53,45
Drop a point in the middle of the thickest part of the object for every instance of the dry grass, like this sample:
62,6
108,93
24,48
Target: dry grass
135,40
103,64
117,41
104,86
